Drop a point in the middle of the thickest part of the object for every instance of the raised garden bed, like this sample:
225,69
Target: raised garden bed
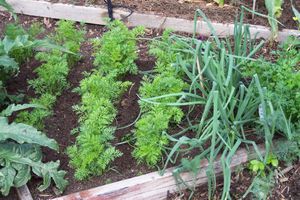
64,119
97,15
185,9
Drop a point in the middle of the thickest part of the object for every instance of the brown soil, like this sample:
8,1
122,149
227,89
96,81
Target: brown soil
64,119
286,187
186,9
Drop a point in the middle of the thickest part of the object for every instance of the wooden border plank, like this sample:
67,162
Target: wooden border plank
153,186
93,15
97,15
24,193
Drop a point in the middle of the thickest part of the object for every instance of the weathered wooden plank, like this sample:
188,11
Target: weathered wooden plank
153,186
97,15
93,15
24,193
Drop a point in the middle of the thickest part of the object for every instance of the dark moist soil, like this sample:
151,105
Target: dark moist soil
64,119
186,9
287,187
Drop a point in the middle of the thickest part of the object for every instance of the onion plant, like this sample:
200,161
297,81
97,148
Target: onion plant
232,108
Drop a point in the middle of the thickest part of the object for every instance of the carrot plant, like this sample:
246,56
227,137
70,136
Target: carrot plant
21,144
155,119
52,74
114,54
118,47
282,77
231,108
17,46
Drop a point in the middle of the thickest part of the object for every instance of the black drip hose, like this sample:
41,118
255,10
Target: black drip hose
110,8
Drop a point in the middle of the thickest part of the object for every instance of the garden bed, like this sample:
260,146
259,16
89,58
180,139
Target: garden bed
186,8
64,119
97,15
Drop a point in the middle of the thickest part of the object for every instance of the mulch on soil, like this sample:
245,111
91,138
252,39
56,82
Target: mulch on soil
287,187
186,9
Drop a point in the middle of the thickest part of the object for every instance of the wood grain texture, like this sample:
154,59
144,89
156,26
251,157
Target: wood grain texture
97,15
153,186
24,193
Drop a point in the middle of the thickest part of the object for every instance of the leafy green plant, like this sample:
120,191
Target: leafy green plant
230,107
8,65
52,74
155,119
257,166
36,116
264,181
71,38
289,151
13,30
281,78
150,140
21,154
219,2
116,51
274,12
161,84
297,16
261,186
20,144
114,54
12,51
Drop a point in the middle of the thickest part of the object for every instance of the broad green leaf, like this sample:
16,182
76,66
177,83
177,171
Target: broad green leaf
19,42
274,162
7,175
23,175
23,133
31,151
13,108
8,44
6,61
17,157
49,171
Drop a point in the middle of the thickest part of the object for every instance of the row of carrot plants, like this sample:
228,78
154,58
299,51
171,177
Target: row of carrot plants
155,119
21,143
114,55
52,74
